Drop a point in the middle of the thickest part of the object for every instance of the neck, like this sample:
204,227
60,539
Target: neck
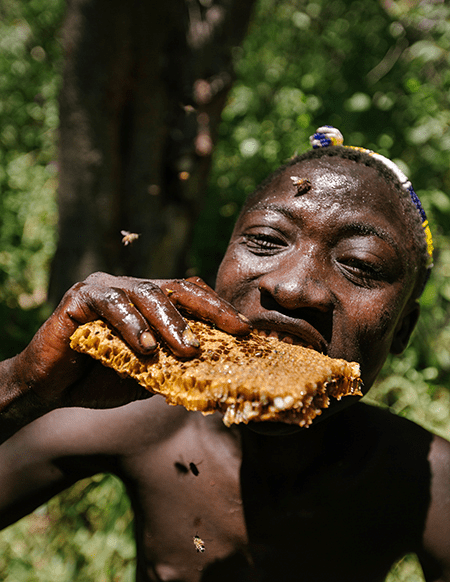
284,453
325,442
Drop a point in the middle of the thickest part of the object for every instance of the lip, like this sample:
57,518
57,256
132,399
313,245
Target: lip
299,330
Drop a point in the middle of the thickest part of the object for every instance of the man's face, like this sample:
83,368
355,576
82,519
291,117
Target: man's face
329,268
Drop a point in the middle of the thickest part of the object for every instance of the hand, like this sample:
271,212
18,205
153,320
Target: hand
142,311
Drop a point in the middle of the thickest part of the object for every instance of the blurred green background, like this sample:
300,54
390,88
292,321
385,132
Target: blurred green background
377,70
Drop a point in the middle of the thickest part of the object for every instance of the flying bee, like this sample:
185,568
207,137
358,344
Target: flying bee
129,237
198,543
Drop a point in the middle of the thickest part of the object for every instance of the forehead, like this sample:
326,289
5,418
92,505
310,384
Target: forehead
334,181
341,194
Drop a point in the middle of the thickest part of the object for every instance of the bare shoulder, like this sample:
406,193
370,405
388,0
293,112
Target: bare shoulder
436,538
440,456
382,428
417,463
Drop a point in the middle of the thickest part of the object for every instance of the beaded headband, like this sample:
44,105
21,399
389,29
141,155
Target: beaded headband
330,136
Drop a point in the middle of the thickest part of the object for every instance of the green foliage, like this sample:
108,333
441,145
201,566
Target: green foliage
407,569
84,534
29,84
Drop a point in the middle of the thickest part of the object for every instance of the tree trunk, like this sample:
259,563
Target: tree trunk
143,89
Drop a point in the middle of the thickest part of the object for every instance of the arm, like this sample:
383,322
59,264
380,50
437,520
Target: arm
66,445
30,473
435,554
49,375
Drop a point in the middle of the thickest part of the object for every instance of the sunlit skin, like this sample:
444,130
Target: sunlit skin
330,267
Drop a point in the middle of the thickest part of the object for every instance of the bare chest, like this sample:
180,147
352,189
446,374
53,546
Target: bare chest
204,512
188,508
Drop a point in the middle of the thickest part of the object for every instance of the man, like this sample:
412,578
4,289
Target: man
329,252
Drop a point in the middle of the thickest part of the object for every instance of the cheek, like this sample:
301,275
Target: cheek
227,275
366,335
233,277
372,315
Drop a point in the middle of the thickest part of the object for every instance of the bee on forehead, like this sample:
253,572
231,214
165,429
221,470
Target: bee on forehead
129,237
303,184
199,544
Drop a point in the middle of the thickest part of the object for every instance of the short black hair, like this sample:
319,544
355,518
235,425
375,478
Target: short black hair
411,214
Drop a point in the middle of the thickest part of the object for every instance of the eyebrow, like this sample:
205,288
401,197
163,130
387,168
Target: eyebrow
363,229
353,228
275,208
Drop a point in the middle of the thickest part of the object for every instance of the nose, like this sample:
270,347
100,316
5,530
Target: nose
298,282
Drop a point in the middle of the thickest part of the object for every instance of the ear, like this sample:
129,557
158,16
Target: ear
405,327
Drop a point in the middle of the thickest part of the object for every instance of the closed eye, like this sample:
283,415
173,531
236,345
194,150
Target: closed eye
263,243
363,273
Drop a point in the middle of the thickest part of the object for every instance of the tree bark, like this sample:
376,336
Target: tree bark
144,86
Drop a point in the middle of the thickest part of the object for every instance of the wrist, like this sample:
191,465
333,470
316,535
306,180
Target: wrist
19,405
12,385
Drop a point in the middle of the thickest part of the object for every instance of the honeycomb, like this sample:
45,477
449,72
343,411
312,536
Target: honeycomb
249,378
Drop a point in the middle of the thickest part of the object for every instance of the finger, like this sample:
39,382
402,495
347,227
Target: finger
137,309
198,299
89,302
193,295
158,309
199,281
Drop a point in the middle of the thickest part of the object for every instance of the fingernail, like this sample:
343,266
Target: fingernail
244,319
147,340
189,338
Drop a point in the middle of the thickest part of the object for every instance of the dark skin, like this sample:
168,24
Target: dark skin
341,500
48,374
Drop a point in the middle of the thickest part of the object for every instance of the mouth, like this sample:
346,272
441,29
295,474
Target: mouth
298,333
282,336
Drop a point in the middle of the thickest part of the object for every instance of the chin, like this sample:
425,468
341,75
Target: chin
283,428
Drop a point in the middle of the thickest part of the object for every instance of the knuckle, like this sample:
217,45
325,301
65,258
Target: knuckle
72,295
180,282
95,277
196,280
76,288
145,287
114,295
188,285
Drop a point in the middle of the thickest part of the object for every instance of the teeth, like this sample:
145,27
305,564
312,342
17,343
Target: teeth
289,339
